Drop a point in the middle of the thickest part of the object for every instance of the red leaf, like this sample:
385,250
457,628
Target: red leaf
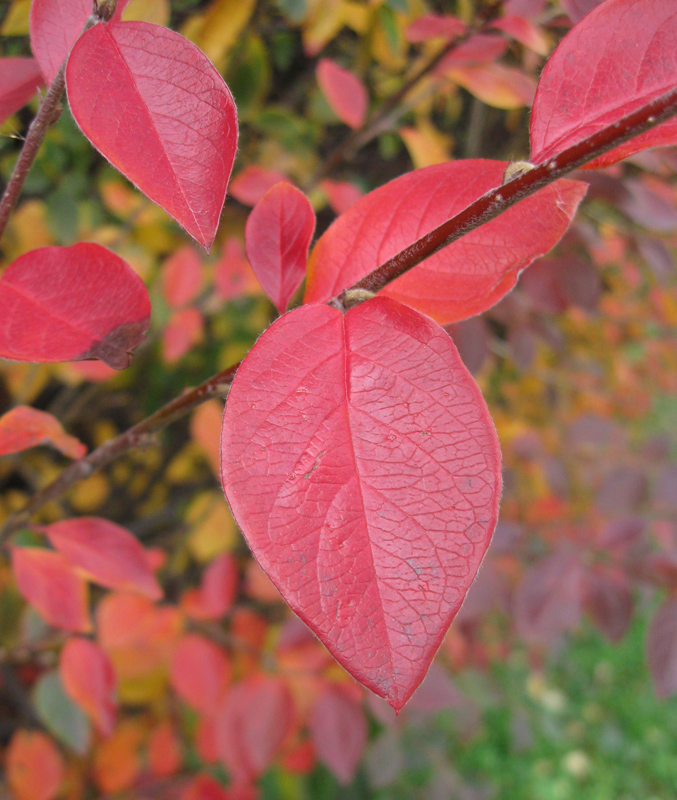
51,584
346,440
166,120
88,678
164,751
251,724
217,592
608,600
35,769
433,26
70,304
181,277
200,672
618,58
252,182
479,49
23,427
204,787
577,9
346,94
341,194
277,237
233,277
338,729
184,330
465,278
55,26
661,649
524,32
108,554
20,79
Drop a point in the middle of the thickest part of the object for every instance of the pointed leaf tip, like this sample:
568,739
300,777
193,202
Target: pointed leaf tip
371,520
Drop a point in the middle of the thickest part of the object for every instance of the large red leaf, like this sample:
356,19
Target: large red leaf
23,427
465,278
70,304
53,586
55,26
166,119
338,729
108,554
360,461
88,678
618,58
20,79
277,237
345,92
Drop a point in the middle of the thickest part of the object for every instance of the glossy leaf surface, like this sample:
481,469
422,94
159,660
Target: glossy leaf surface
70,304
88,678
345,92
618,58
277,238
465,278
107,553
55,26
53,586
166,119
360,461
23,427
20,79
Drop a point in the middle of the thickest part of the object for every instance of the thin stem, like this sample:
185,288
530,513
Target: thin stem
481,211
136,436
498,200
47,115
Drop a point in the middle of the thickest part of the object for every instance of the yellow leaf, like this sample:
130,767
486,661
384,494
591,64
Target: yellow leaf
215,534
426,145
27,229
221,27
16,20
323,22
496,85
155,11
88,495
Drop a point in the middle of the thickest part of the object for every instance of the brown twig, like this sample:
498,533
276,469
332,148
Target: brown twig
486,208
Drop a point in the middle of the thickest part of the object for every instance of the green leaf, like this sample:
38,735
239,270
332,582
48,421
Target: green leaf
60,715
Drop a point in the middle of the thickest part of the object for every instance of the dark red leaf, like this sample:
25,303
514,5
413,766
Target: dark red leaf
70,304
346,442
346,94
53,586
277,237
608,600
20,79
55,26
166,119
108,554
618,58
461,280
661,649
88,677
548,600
23,427
338,730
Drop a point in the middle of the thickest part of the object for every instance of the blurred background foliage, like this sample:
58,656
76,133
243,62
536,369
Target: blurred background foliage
555,679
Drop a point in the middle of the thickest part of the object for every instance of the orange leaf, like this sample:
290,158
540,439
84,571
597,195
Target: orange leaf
88,678
164,751
35,769
53,586
205,428
496,85
117,763
23,427
107,553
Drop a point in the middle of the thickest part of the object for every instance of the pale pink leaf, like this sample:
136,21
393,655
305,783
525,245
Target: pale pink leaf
338,729
20,79
345,92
